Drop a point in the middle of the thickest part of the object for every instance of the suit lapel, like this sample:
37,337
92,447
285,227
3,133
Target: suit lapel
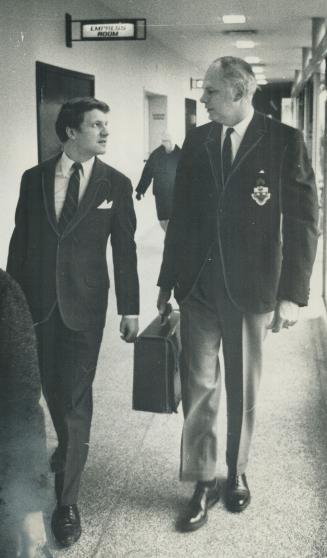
98,179
48,180
212,145
253,135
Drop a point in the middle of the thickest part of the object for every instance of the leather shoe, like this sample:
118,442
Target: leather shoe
238,495
66,525
205,496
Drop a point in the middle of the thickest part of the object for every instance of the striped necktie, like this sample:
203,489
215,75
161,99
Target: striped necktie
71,200
226,154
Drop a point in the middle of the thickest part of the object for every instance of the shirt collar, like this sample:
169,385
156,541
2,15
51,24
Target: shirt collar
67,162
241,127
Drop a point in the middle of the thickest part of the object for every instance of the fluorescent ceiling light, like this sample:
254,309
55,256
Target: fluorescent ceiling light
262,82
234,18
260,76
252,59
245,44
257,69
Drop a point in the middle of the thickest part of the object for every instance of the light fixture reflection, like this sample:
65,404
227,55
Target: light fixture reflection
257,69
234,18
252,59
245,44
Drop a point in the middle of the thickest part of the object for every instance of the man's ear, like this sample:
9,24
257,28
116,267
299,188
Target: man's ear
238,92
71,132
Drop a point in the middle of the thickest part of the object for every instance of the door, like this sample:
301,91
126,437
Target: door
156,117
190,114
54,86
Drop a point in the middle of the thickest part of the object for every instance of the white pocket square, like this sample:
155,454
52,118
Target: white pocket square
105,205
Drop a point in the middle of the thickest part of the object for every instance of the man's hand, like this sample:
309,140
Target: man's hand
138,196
286,315
163,299
129,328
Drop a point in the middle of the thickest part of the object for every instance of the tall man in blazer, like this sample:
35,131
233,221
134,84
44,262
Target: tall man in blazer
67,209
239,252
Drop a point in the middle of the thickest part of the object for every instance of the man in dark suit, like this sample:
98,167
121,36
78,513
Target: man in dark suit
161,169
67,209
239,251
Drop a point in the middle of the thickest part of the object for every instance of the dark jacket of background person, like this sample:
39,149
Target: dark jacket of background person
267,250
19,374
161,168
23,458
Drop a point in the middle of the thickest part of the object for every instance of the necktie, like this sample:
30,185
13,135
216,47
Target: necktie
71,199
226,153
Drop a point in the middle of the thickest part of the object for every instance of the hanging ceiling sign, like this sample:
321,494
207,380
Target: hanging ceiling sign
104,30
117,30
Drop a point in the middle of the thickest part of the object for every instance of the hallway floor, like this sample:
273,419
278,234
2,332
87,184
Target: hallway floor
131,495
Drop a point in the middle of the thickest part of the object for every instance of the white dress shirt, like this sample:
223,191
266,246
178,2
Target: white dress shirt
239,132
63,173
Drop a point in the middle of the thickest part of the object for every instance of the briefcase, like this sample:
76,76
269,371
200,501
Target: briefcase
156,382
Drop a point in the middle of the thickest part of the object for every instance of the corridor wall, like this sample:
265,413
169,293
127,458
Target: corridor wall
35,31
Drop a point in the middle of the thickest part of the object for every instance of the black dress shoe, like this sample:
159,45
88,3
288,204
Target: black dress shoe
66,525
204,497
57,461
238,495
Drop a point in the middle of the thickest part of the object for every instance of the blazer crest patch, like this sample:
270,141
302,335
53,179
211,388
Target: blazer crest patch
261,192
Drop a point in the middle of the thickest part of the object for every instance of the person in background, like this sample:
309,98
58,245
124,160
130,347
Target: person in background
68,208
239,252
23,456
161,169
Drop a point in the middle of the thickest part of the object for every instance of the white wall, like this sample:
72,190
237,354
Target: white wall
35,30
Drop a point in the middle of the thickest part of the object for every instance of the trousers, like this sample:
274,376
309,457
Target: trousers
68,362
208,317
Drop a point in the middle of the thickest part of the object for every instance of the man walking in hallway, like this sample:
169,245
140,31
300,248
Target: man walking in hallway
67,209
239,252
161,168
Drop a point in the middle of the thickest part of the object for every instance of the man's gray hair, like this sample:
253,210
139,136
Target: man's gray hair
238,74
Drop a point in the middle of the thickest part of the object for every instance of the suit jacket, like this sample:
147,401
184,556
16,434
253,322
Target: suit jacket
161,169
71,269
263,220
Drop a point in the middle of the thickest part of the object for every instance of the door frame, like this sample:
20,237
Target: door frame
41,69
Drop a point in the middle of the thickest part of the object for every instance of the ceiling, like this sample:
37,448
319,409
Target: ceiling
195,31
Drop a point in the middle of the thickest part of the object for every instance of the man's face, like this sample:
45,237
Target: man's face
91,137
168,145
218,97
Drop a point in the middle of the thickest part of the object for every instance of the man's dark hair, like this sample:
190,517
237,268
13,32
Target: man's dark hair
72,113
